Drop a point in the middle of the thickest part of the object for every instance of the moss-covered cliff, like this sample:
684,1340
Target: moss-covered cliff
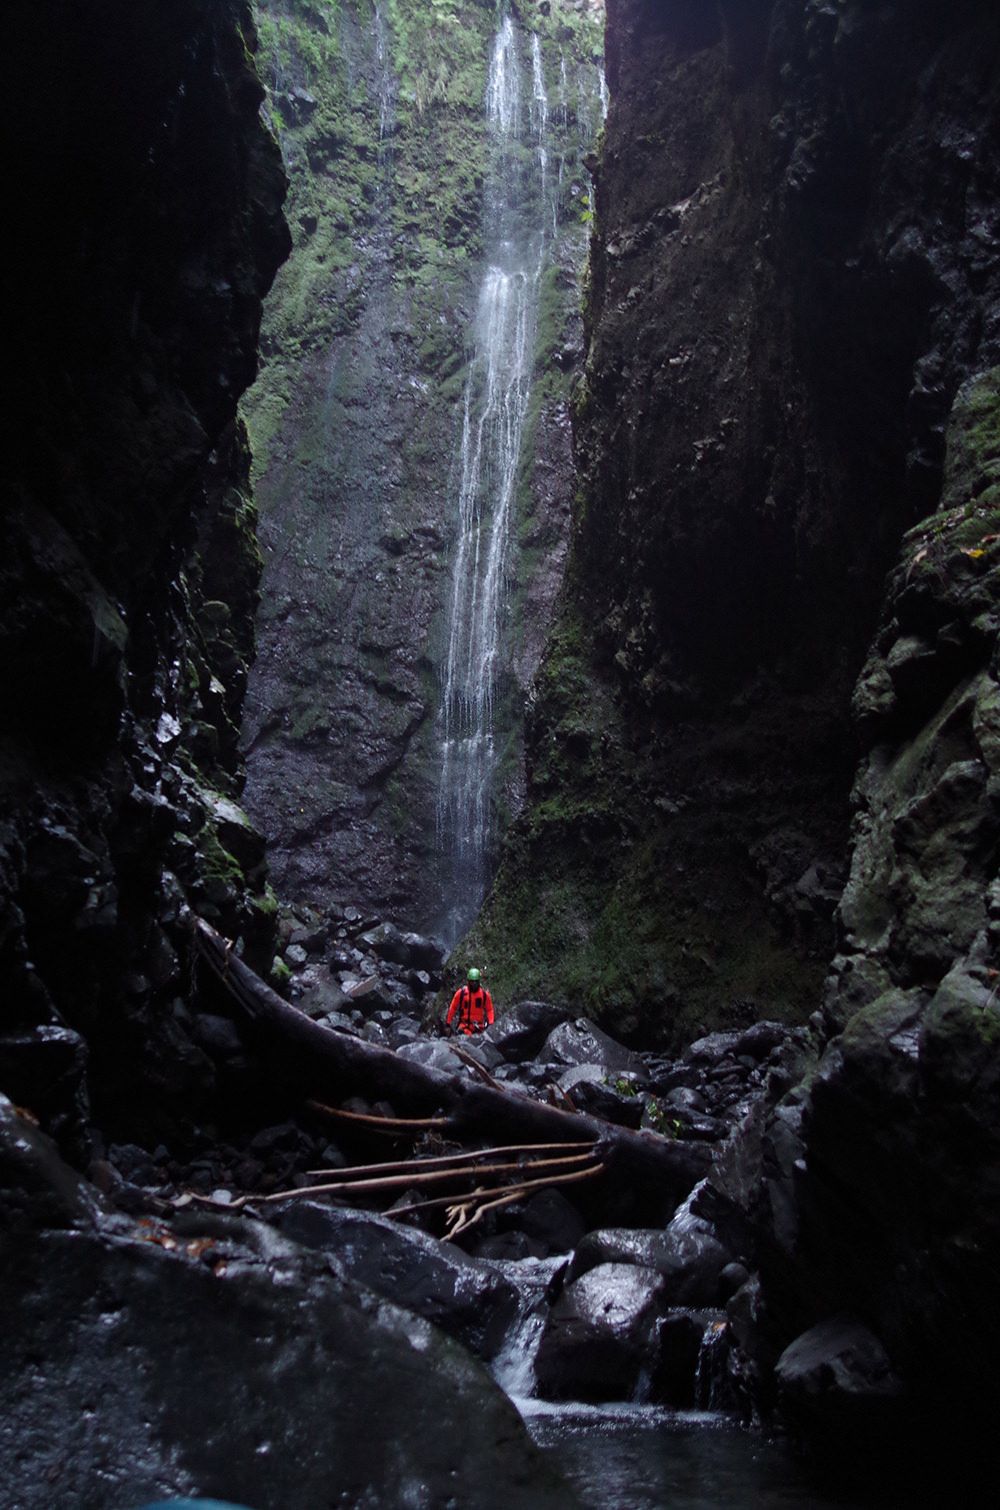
149,227
356,420
793,272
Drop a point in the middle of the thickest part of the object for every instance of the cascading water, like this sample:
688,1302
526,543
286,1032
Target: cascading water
495,406
385,80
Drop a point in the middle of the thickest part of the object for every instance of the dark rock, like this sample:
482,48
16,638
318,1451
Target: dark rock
687,1254
233,1304
836,1382
478,1047
732,1278
510,1247
434,1053
761,1039
312,939
607,1101
435,1280
373,994
424,954
600,1334
320,996
286,1137
402,1030
551,1220
387,943
340,1022
683,1098
580,1042
681,1338
708,1052
132,1163
218,1036
520,1032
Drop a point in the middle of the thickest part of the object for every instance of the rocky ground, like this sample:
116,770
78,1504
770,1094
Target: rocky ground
617,1311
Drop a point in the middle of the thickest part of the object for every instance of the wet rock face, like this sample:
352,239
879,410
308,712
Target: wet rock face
880,1172
150,227
794,273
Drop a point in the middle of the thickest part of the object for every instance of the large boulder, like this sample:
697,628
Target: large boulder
687,1254
436,1280
520,1032
580,1042
601,1334
213,1357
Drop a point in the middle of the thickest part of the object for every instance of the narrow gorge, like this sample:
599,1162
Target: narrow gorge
509,484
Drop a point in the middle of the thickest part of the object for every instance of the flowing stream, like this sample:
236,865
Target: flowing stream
518,223
631,1455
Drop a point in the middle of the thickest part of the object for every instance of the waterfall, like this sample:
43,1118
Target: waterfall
494,410
385,79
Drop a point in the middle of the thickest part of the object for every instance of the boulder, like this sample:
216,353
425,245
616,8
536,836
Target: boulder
424,953
372,994
213,1357
599,1099
218,1036
836,1382
600,1334
321,996
435,1053
479,1048
713,1047
436,1280
509,1247
386,942
580,1042
552,1221
687,1254
521,1031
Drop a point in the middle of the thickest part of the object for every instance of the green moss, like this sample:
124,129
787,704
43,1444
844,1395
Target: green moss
280,974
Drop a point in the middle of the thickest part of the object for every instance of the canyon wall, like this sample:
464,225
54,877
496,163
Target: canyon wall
357,420
763,749
149,228
794,271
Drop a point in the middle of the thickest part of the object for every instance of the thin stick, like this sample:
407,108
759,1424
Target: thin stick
382,1124
475,1066
445,1200
339,1187
454,1158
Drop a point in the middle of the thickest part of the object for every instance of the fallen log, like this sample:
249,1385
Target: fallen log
322,1057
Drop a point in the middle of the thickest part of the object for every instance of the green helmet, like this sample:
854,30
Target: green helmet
474,977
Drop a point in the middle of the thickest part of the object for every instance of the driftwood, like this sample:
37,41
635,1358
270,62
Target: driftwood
326,1060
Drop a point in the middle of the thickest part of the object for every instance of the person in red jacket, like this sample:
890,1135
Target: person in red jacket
472,1005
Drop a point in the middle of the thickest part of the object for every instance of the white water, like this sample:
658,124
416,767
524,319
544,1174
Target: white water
385,79
514,1366
495,406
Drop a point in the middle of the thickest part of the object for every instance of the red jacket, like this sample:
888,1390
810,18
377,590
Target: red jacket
474,1009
